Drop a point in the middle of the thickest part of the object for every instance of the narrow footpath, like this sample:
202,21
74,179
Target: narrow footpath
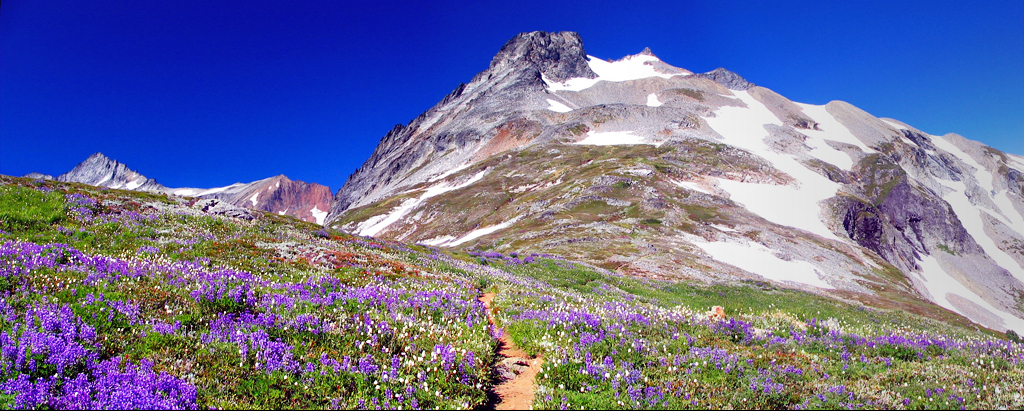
517,371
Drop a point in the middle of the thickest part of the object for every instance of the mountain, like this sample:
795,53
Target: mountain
38,175
99,170
279,194
654,171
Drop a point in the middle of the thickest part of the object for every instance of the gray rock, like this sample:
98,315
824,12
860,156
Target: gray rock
38,176
726,78
99,170
218,207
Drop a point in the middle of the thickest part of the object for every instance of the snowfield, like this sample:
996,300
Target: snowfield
612,138
760,260
795,205
629,68
374,225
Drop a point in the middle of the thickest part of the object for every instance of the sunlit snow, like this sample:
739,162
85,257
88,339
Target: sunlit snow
629,68
558,107
480,232
612,138
940,285
318,215
652,100
970,217
689,185
831,129
133,185
795,205
377,223
760,260
253,199
895,125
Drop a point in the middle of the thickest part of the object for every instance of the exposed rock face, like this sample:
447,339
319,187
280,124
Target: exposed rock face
217,207
99,170
280,195
727,78
560,56
650,170
447,136
39,176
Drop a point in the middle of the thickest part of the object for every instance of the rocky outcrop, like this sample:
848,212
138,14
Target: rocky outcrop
99,170
39,176
726,78
280,195
560,56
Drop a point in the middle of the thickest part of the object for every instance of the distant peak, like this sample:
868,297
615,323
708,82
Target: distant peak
98,157
727,78
647,52
560,56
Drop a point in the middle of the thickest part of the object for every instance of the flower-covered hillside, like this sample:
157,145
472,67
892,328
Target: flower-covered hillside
117,299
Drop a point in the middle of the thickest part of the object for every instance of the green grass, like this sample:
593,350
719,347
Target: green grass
23,208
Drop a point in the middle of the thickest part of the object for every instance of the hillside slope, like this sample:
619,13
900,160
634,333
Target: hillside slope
126,299
651,170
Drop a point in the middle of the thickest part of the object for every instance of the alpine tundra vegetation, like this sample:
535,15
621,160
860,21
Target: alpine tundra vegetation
560,232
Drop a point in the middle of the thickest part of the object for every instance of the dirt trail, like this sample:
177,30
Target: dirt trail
518,369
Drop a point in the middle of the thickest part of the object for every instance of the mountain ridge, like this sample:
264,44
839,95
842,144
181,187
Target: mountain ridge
277,194
652,170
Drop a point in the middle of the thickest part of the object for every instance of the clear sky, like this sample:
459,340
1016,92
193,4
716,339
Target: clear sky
208,93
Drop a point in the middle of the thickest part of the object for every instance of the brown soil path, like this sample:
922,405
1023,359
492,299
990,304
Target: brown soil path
516,393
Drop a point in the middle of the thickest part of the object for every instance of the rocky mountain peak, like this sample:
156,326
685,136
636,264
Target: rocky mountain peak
100,170
560,56
727,78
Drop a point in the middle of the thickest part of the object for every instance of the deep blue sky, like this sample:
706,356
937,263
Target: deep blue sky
207,93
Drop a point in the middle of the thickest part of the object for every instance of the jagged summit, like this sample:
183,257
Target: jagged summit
560,56
100,170
278,194
656,171
727,78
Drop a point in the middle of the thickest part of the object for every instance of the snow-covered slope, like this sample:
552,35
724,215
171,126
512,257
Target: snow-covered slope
653,170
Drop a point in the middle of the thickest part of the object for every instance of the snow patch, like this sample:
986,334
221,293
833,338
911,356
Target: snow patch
895,125
690,185
480,232
437,241
450,172
630,68
833,130
612,138
185,192
558,107
760,260
253,199
133,185
1015,161
724,228
374,225
318,215
220,189
941,285
794,205
652,100
970,217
